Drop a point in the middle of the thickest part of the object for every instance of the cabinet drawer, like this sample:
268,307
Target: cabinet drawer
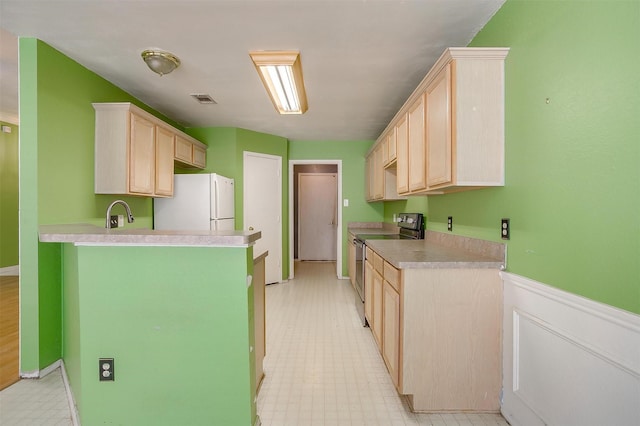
392,275
369,254
378,263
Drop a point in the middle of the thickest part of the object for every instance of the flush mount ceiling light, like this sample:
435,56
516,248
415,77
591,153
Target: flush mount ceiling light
160,62
281,74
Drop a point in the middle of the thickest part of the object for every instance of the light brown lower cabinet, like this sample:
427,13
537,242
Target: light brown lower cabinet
441,336
259,316
391,331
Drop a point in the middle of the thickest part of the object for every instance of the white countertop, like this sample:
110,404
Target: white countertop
86,234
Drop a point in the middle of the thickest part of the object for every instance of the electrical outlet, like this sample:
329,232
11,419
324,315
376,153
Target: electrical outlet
450,223
113,220
106,369
120,220
504,229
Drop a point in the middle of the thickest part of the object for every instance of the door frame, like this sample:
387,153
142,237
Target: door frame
337,163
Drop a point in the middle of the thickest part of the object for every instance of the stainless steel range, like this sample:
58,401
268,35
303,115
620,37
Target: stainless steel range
411,228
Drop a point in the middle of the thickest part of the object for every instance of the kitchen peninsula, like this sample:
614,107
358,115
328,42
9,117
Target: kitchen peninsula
175,312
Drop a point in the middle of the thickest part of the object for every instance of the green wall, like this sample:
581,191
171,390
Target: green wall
8,196
572,162
56,182
417,204
352,154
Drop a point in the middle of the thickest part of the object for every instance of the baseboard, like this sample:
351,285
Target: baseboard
10,271
567,360
37,374
73,408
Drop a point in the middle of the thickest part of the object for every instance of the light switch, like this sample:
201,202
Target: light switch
345,202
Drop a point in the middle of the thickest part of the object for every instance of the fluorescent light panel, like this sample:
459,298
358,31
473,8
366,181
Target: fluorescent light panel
281,74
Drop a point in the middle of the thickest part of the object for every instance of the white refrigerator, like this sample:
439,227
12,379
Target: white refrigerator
200,202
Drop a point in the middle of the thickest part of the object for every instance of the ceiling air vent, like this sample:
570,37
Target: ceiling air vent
203,98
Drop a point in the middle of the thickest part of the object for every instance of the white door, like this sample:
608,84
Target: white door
223,224
317,216
262,195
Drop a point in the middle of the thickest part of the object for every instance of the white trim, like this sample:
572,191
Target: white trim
10,271
38,374
73,408
567,359
338,163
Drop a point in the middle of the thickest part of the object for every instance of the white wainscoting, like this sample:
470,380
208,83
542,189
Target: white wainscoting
567,360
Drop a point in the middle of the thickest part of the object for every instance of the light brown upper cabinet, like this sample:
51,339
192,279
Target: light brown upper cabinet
184,150
378,176
450,131
402,162
368,174
135,151
391,146
438,129
141,156
190,153
417,146
164,161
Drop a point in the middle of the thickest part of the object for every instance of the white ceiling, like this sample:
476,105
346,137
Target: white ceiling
361,58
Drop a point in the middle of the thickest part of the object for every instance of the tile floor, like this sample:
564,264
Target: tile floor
323,368
36,402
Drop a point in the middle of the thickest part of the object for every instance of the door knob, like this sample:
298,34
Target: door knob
251,228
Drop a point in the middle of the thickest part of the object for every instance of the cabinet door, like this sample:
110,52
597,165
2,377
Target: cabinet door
391,331
368,293
183,151
378,173
439,142
376,327
164,162
199,156
391,145
385,149
417,152
141,156
402,154
369,177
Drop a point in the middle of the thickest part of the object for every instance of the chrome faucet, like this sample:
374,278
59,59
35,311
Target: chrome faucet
126,206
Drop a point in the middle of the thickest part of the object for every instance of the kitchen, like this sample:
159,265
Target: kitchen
546,172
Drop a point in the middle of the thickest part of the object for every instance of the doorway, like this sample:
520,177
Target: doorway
316,175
